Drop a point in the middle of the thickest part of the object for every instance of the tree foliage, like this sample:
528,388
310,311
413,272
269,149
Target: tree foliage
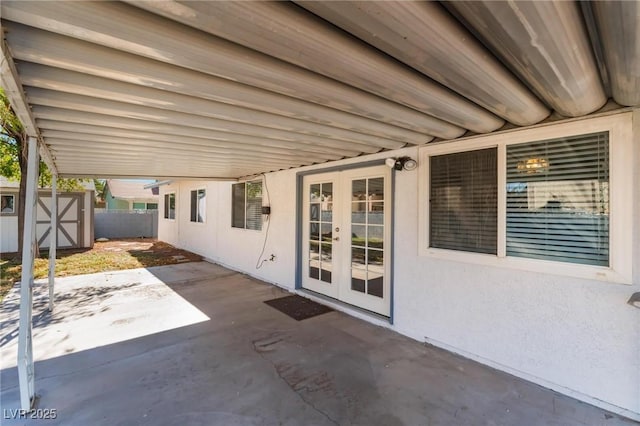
13,142
13,161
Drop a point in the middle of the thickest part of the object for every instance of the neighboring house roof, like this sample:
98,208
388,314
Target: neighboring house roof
7,183
130,190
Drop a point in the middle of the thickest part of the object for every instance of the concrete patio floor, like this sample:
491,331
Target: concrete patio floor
193,344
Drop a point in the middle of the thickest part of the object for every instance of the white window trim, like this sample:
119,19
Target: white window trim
14,207
620,183
197,205
244,228
175,212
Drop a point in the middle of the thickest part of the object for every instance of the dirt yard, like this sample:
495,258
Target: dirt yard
106,256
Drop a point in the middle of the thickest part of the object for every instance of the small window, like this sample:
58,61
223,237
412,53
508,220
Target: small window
139,206
246,205
170,206
152,206
464,201
558,199
8,204
198,205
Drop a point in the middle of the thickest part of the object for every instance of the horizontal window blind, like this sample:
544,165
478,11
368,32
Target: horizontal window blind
463,201
194,206
558,199
237,205
254,205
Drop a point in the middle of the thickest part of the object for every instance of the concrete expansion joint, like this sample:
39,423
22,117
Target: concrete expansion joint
262,346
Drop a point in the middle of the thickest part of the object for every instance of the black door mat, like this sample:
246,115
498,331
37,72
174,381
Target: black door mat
298,307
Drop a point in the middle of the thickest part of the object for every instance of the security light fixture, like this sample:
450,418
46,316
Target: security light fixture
390,162
401,163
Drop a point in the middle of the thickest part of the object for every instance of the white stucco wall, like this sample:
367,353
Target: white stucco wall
236,248
577,336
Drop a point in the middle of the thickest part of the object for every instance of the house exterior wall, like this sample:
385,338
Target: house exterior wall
114,203
575,335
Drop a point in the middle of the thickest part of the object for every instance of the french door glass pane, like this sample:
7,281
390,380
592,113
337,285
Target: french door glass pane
314,211
358,280
358,258
375,237
358,212
376,213
326,231
314,231
367,236
358,235
359,190
376,189
314,193
326,265
321,231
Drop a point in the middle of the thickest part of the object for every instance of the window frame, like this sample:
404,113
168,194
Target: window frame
165,209
244,204
15,206
621,165
197,190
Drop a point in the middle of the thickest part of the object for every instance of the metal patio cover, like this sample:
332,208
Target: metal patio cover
171,89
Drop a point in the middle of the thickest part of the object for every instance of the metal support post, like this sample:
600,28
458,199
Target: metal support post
53,238
26,375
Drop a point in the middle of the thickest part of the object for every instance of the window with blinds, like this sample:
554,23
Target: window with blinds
558,199
464,201
198,205
170,206
254,205
246,205
237,205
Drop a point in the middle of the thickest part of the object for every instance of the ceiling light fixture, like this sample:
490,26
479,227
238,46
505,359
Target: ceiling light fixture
533,165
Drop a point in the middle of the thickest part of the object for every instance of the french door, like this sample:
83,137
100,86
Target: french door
347,236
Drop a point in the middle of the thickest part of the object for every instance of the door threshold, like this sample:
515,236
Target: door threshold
347,308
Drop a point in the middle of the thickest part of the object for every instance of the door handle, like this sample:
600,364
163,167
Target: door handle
336,238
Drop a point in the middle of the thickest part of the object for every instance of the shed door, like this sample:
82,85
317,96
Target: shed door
70,220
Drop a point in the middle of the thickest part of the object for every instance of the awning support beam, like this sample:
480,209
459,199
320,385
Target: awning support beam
26,374
53,238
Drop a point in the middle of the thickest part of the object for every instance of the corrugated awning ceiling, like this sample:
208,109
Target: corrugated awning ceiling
173,89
